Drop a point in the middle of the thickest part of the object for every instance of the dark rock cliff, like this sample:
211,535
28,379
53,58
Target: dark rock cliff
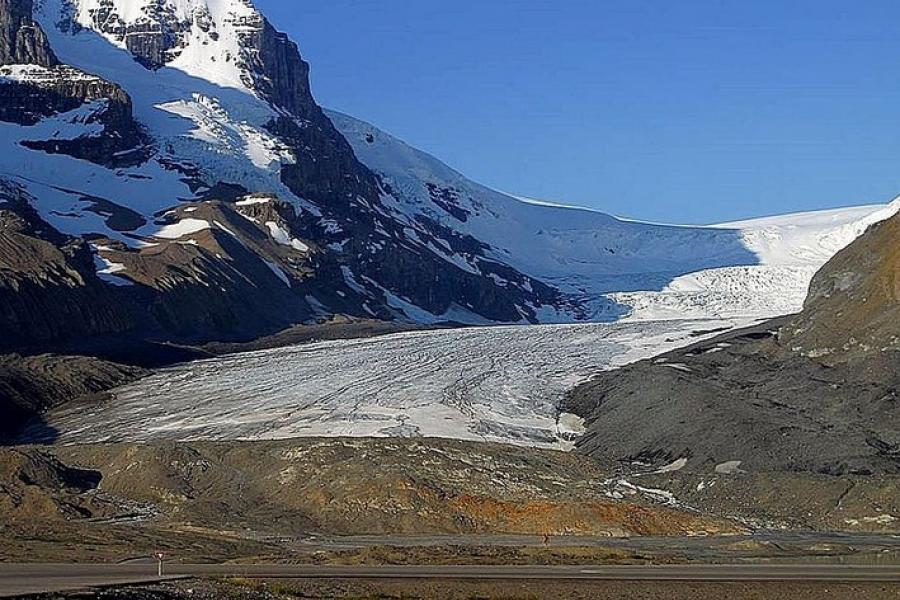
62,89
59,90
50,88
153,40
22,41
351,195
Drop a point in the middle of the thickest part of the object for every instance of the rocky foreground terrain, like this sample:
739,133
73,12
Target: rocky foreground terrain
216,501
230,500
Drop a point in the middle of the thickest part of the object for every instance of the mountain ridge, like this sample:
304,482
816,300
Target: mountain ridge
621,268
197,102
292,125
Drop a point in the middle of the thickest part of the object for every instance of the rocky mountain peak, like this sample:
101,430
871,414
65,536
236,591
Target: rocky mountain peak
205,38
175,128
227,42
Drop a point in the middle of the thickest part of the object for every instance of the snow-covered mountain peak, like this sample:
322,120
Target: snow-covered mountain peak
211,39
143,127
207,79
132,11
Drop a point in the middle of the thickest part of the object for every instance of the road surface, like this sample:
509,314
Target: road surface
18,579
789,544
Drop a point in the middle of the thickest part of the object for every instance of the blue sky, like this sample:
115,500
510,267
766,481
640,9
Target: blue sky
694,111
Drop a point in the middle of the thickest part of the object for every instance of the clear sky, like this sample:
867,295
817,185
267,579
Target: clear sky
688,111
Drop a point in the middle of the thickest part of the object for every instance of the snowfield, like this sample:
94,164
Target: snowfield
500,384
790,249
620,268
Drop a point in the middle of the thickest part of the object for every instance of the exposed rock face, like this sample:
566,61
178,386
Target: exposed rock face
50,291
151,40
30,94
224,285
217,287
34,85
816,393
270,62
357,229
348,191
22,41
279,73
48,288
121,143
853,307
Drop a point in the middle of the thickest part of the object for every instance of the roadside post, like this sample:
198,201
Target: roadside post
160,557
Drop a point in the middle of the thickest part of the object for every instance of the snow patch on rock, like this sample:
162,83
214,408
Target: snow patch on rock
281,236
182,228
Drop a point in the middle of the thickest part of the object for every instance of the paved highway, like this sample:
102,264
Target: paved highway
699,548
16,579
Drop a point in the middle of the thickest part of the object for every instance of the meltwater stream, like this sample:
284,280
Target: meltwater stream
499,384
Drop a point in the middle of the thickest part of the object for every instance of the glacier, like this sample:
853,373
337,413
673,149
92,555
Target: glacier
489,384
